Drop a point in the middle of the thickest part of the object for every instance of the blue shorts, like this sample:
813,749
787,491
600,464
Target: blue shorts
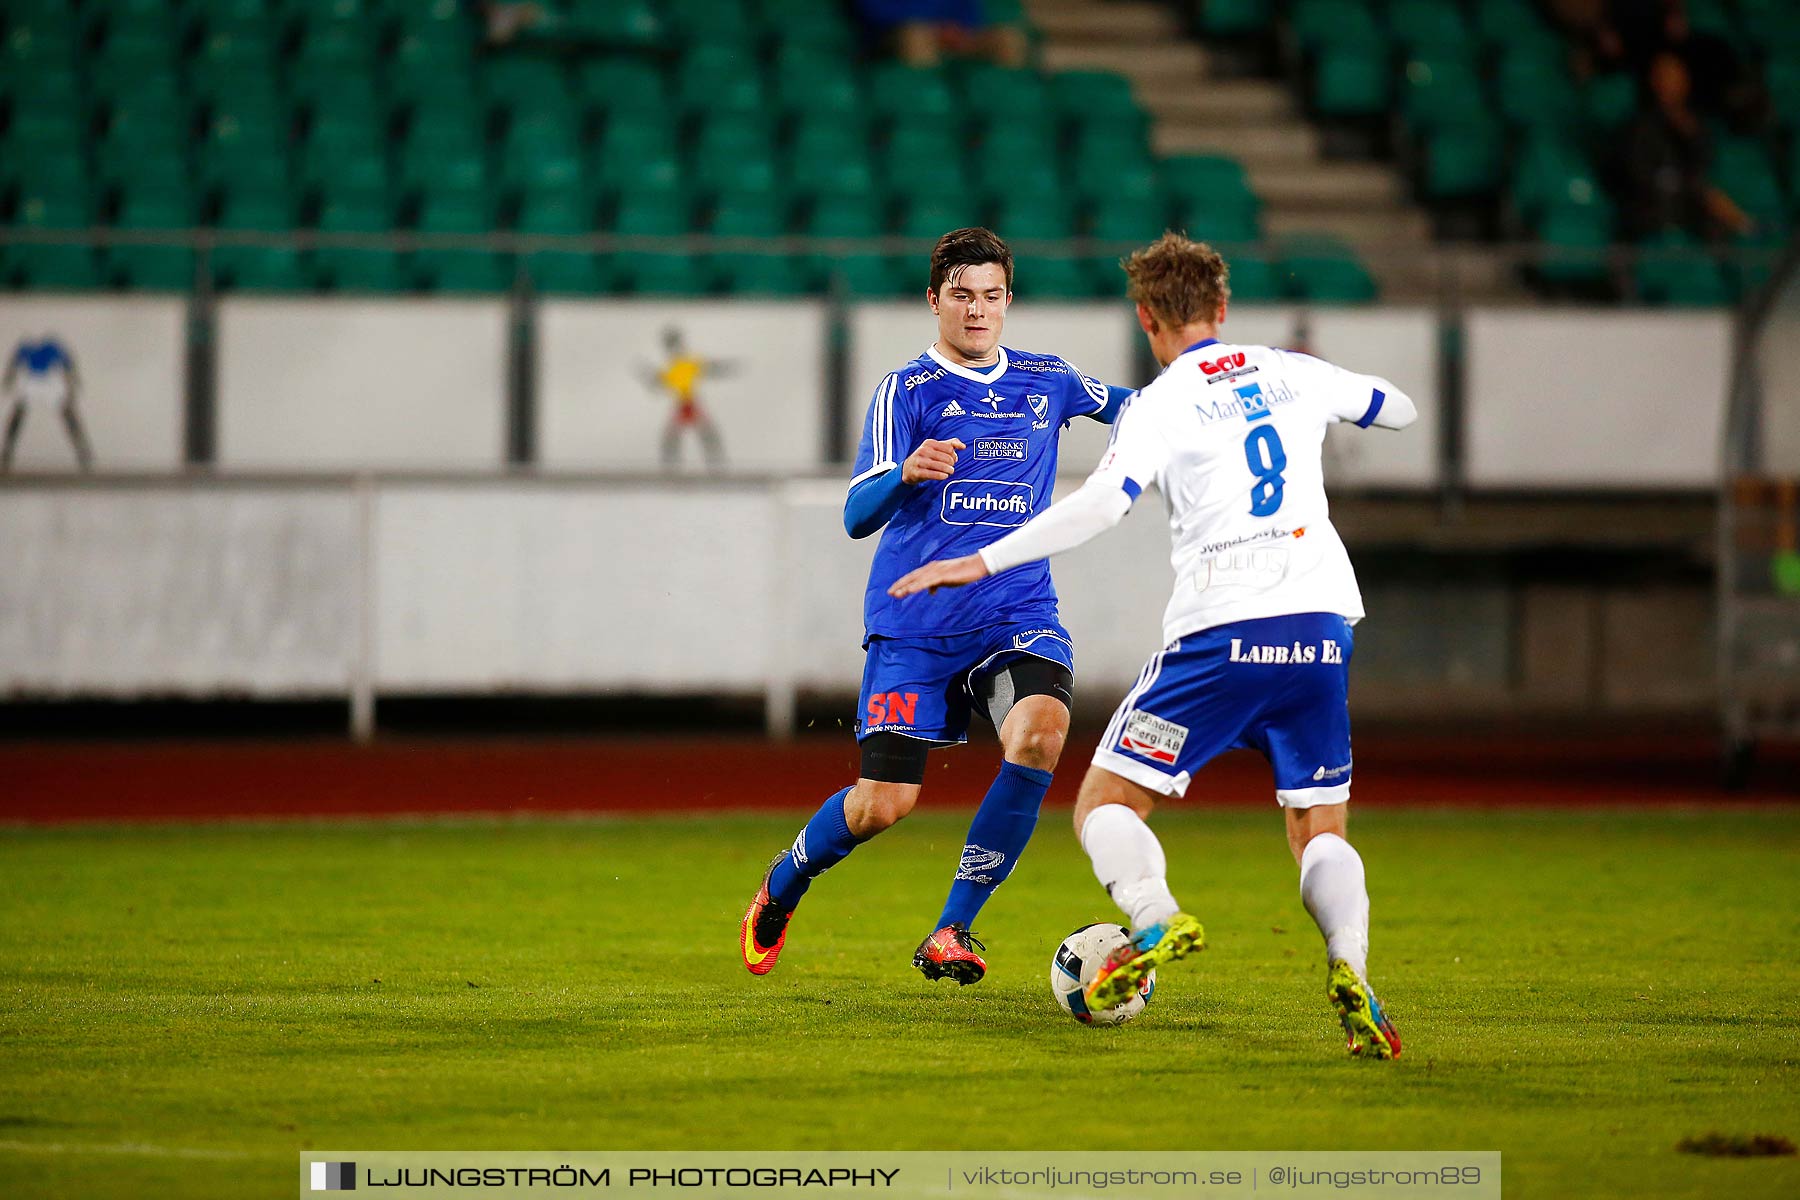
925,687
1280,685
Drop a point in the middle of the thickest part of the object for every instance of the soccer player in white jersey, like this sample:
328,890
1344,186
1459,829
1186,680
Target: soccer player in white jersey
1258,630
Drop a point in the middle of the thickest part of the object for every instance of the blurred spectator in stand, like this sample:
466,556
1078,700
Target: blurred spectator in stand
1667,152
1599,47
921,33
507,19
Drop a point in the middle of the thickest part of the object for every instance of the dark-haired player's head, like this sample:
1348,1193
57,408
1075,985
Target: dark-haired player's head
1181,288
971,285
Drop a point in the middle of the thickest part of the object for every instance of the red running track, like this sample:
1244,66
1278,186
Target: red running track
57,782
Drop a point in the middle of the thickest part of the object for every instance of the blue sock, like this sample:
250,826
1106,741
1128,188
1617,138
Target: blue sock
821,845
997,837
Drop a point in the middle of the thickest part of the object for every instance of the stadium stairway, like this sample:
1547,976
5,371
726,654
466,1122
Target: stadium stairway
1257,122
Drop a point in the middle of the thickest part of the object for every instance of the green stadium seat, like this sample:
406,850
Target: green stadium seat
1053,277
1127,219
1236,18
1741,168
424,168
43,86
1676,270
635,154
1576,231
733,133
1537,93
1130,179
1319,24
455,269
1441,91
446,129
857,273
1013,95
1430,28
1325,270
896,91
1464,160
1212,183
527,83
727,20
761,215
355,269
1351,80
930,217
1782,77
31,46
1034,217
573,272
245,48
332,49
526,167
997,179
762,275
820,26
44,267
746,176
1253,278
848,176
618,23
1610,101
1548,169
1511,25
1219,227
162,267
257,268
720,78
1082,96
1772,23
420,78
621,85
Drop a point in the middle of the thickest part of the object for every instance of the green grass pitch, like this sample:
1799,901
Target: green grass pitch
182,1009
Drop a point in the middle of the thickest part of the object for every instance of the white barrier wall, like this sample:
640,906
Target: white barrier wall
549,587
333,385
131,359
147,591
609,375
1586,399
1097,339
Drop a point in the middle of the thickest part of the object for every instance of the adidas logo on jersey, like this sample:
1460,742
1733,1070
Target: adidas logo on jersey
953,409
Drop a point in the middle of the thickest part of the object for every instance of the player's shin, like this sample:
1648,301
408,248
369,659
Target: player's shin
1332,888
1129,862
997,836
821,845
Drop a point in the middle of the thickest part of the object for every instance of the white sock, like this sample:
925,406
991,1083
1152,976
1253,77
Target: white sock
1331,887
1129,863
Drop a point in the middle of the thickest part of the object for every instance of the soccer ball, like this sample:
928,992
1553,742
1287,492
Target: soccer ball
1076,964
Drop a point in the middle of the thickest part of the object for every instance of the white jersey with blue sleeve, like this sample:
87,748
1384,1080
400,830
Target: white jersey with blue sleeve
1009,417
1232,436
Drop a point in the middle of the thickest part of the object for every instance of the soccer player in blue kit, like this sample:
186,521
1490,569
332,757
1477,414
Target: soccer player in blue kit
958,448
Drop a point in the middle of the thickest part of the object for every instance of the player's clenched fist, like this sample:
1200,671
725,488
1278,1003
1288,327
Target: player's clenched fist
932,460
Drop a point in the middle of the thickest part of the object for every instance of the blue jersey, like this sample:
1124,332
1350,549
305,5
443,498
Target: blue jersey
1009,416
40,358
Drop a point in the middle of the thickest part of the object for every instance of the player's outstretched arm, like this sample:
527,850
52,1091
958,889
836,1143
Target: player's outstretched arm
873,502
1394,410
1073,521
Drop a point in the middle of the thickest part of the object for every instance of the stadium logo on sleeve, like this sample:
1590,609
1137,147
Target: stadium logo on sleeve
1001,448
987,502
334,1177
1151,737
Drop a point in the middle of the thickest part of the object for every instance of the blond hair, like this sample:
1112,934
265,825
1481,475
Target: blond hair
1181,281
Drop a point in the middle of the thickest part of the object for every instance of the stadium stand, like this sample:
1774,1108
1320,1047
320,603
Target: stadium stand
754,119
741,118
